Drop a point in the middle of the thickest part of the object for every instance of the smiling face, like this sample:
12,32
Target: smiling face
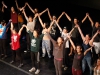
35,33
87,37
78,49
60,40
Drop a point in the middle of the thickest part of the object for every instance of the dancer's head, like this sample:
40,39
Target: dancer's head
75,20
65,30
54,17
87,37
97,24
78,48
46,25
35,33
30,18
3,22
60,40
12,9
36,10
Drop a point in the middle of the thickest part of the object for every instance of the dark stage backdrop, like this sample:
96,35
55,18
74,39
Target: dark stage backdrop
74,8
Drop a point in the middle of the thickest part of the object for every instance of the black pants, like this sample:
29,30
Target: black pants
28,41
17,54
58,66
3,47
66,57
35,57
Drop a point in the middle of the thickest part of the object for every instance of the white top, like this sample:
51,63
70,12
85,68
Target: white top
31,25
64,35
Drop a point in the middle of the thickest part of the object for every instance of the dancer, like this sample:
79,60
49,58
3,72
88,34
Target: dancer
3,39
64,33
87,42
96,41
46,44
58,53
35,11
15,44
35,47
75,33
30,24
77,61
53,29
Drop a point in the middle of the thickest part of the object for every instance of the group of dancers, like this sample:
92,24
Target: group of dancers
63,46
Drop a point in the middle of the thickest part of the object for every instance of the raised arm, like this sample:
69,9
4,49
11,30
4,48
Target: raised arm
50,26
92,23
71,31
20,30
41,21
43,11
68,17
49,15
86,51
91,41
8,23
71,42
60,17
11,28
58,26
25,15
3,6
80,31
30,7
84,18
17,4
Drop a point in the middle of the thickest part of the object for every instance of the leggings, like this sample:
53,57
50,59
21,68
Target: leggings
35,58
58,66
17,53
66,57
3,46
28,41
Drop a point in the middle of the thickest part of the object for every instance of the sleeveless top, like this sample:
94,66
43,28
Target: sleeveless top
85,47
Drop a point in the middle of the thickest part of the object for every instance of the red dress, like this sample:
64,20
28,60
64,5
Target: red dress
15,41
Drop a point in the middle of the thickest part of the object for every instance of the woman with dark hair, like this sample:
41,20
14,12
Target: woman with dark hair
35,11
46,44
58,47
96,41
64,33
35,47
87,42
77,61
53,29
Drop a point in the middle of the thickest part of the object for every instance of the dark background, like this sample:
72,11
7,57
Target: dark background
74,8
